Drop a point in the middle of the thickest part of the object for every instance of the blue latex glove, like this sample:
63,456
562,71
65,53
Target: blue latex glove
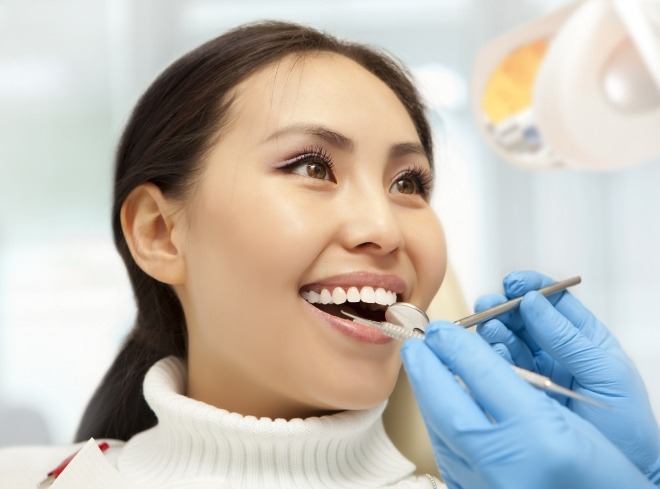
559,338
508,434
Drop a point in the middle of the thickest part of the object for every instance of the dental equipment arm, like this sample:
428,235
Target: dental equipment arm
574,88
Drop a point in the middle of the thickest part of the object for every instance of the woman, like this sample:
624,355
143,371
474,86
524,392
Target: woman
265,169
266,181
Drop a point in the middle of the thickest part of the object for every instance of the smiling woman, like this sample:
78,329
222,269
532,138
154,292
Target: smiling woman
263,179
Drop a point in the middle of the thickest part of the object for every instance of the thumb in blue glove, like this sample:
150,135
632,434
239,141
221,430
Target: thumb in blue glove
562,339
504,433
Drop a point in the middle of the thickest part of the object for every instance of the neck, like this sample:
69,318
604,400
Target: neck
237,393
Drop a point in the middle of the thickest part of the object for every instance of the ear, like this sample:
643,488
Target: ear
153,230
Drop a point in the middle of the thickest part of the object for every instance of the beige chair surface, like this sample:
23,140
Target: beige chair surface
402,419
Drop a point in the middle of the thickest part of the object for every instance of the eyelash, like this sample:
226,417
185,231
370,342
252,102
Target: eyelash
421,175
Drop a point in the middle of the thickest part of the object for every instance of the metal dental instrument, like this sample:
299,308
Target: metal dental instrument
404,320
412,317
484,316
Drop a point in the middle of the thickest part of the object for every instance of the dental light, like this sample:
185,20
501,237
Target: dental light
578,88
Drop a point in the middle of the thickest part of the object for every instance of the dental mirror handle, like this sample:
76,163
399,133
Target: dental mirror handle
543,382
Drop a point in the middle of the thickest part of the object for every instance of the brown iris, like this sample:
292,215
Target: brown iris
405,184
316,170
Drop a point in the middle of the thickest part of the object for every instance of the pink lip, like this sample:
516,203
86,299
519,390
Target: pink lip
360,332
360,279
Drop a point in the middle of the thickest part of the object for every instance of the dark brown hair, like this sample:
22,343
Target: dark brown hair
170,129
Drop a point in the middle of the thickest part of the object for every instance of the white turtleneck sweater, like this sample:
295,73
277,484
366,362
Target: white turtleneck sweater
196,445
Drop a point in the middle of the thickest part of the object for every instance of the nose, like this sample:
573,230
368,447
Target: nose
371,222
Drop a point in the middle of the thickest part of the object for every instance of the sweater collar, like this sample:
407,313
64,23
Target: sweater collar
194,441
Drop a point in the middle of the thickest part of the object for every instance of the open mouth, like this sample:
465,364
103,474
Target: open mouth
364,301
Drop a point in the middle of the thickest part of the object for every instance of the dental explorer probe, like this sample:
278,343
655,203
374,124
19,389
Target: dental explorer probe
406,320
484,316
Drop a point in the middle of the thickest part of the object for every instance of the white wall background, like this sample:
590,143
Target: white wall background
70,71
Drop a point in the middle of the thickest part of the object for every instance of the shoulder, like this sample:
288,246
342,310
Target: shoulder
23,467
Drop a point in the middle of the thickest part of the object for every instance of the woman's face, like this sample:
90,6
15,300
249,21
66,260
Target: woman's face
257,233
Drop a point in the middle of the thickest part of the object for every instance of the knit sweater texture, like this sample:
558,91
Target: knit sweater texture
196,445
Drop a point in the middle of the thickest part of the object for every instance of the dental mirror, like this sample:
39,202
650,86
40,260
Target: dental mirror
407,316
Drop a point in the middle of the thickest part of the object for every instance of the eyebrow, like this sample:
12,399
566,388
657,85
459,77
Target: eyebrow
342,142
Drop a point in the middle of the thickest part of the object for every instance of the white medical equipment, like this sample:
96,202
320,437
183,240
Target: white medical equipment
576,89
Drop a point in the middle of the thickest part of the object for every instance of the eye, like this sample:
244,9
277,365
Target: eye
415,179
316,162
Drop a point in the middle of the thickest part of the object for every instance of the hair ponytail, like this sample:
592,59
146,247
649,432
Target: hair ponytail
172,126
117,408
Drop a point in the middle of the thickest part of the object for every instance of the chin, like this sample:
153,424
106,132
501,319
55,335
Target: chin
368,387
366,404
357,399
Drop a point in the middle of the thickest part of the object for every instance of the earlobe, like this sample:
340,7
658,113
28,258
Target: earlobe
149,226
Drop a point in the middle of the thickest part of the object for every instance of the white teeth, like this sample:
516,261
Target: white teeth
339,295
368,295
381,296
353,295
326,298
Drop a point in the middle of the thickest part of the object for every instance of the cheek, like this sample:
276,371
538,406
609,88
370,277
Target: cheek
281,236
429,254
251,245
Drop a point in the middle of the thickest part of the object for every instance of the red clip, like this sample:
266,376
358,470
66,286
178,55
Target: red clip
53,474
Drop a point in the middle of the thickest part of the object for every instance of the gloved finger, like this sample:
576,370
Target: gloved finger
444,405
583,319
534,359
448,476
494,331
450,464
519,283
560,339
453,467
491,380
511,319
454,470
503,351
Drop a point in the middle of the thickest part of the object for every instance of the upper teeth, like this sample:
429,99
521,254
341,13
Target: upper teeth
340,295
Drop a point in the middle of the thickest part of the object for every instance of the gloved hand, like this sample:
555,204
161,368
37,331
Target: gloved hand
559,338
509,434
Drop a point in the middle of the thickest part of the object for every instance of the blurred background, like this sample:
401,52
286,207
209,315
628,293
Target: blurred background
70,72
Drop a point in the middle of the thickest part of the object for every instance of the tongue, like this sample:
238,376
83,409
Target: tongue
353,308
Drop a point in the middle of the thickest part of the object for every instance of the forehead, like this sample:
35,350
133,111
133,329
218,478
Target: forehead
319,87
